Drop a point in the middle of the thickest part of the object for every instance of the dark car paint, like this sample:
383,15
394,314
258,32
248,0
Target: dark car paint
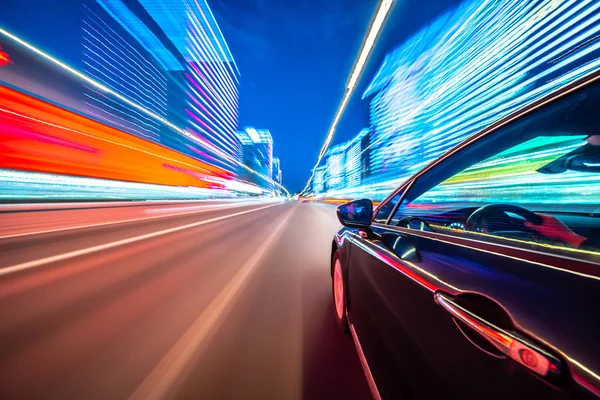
414,348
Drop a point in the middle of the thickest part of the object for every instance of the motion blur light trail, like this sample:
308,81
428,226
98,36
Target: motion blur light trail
468,69
4,58
41,137
382,12
30,186
199,174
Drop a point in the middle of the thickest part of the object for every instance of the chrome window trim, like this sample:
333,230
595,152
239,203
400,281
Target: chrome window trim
410,181
498,247
390,197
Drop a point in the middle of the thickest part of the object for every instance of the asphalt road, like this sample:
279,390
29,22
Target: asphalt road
172,301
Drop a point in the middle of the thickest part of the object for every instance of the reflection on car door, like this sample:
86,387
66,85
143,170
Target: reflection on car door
416,350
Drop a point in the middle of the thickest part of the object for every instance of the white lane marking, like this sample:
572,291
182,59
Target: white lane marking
77,253
103,204
198,209
171,209
174,367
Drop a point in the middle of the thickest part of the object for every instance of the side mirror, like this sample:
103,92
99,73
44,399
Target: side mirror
356,214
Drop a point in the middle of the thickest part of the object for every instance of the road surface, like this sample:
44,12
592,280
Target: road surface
172,301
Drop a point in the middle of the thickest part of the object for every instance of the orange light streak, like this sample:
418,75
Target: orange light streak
38,136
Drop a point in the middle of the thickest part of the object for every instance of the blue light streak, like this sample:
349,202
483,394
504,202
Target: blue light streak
137,29
468,69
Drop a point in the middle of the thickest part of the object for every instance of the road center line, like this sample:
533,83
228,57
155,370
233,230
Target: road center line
77,253
197,210
174,367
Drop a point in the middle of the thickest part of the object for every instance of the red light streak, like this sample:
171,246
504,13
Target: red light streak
38,136
585,383
4,58
501,341
391,262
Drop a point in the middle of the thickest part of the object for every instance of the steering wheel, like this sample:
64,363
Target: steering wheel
495,218
415,223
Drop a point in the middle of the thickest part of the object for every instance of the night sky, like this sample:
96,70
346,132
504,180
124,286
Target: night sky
295,57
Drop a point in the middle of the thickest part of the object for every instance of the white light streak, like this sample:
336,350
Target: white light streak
153,115
376,25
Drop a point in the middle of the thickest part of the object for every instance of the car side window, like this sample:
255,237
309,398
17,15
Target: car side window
398,215
536,186
384,211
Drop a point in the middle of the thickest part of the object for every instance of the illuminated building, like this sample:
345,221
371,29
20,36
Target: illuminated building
257,154
468,69
136,80
369,42
122,53
211,75
277,174
344,166
356,159
171,58
336,166
319,183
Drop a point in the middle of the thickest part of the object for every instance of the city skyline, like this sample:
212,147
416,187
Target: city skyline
295,147
430,94
299,199
171,77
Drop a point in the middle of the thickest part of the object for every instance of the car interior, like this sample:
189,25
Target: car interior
509,183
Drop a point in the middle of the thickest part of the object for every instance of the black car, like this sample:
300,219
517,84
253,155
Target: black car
479,278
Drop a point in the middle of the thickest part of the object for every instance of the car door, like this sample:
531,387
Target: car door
416,348
447,307
375,289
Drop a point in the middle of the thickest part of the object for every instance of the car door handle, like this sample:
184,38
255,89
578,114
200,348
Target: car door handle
510,343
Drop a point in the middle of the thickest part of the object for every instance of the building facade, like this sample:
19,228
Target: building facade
112,54
345,166
357,159
257,154
170,58
319,183
336,166
277,173
468,69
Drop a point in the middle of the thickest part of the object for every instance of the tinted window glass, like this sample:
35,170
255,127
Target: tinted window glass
386,209
540,188
398,215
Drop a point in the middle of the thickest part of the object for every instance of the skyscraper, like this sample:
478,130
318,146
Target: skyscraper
319,183
211,75
257,154
170,57
336,165
277,174
344,166
468,69
356,161
122,53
